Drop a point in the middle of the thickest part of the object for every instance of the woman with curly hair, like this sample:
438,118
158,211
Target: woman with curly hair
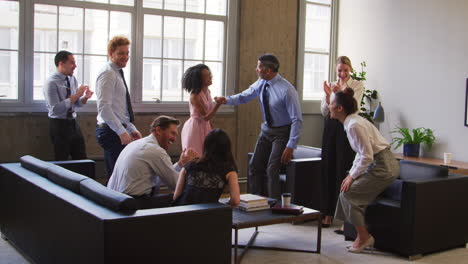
202,109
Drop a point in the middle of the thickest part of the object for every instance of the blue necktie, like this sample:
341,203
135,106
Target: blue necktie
129,102
266,104
69,110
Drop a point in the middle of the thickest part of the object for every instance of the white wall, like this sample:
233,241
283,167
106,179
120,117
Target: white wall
417,57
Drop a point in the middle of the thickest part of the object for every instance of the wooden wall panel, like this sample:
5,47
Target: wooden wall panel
266,26
28,134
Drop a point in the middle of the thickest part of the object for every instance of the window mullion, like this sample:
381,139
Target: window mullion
83,46
25,92
137,50
163,18
183,55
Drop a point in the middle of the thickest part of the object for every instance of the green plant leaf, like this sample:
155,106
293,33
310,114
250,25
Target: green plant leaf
419,135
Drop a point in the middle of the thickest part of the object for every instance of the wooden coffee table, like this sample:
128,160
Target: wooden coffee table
242,219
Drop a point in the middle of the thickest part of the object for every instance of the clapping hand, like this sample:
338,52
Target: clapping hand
88,92
81,90
336,87
327,88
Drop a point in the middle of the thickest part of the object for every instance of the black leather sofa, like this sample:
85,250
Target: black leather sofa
424,211
54,215
301,176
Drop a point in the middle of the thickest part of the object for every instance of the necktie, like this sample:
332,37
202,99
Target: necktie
69,110
129,103
266,104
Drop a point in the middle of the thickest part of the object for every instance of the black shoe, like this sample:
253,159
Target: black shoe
339,232
325,225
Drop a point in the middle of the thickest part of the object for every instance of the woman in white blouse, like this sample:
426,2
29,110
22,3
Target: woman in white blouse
374,168
337,155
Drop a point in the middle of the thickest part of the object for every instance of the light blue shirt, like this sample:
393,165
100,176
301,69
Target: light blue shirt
284,104
111,100
55,94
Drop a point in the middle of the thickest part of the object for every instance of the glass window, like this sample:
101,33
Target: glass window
9,26
172,44
62,28
317,34
177,34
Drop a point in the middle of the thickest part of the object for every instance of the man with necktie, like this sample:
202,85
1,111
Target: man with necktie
115,128
281,130
62,96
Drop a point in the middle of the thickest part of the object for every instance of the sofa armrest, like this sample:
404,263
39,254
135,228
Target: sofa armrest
436,210
303,181
181,234
85,167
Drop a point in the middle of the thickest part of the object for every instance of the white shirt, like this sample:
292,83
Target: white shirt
365,140
111,96
142,165
358,88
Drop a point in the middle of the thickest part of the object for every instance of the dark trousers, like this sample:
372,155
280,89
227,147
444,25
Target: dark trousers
265,164
111,144
67,139
337,160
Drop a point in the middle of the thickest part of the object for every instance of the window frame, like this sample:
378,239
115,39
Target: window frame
313,106
25,101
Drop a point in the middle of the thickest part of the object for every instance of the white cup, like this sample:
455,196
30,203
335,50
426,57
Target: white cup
447,158
286,199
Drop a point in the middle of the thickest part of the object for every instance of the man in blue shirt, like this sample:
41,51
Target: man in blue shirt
115,128
62,96
281,130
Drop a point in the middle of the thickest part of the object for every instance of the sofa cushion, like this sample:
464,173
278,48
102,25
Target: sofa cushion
33,164
65,178
84,167
393,192
104,196
412,170
304,152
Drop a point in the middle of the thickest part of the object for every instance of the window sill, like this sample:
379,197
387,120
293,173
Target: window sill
172,108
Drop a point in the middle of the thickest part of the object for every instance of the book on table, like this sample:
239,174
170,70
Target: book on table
291,209
251,202
252,209
252,199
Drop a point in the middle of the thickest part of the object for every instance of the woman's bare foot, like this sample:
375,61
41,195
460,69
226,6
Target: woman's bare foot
327,220
360,241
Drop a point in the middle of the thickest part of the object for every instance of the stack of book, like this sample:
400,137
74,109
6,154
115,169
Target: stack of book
251,202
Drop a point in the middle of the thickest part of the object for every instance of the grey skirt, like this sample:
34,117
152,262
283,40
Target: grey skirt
379,175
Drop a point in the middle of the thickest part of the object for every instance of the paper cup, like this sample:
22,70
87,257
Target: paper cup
447,158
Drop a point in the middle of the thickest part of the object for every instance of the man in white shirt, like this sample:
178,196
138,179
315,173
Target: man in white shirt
144,164
114,128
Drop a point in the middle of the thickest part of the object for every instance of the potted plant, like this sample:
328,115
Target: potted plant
412,141
369,95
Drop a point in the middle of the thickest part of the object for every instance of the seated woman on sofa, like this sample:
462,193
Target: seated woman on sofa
374,168
203,180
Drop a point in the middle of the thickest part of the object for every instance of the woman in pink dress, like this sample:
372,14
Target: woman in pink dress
202,109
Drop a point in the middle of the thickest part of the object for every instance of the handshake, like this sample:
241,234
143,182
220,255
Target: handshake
220,100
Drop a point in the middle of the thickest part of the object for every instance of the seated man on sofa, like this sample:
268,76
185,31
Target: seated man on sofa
144,164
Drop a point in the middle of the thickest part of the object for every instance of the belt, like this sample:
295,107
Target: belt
104,125
62,119
146,195
278,126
